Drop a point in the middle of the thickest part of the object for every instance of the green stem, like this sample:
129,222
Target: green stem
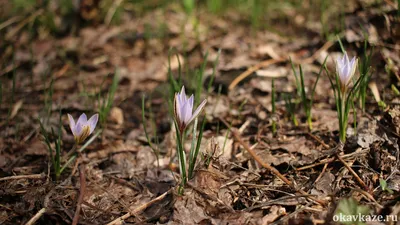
343,121
181,158
295,122
70,160
309,121
192,154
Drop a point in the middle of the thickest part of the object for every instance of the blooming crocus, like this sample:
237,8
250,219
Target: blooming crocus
345,69
83,127
183,109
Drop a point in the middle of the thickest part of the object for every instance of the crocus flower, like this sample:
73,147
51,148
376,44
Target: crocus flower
345,69
83,127
183,109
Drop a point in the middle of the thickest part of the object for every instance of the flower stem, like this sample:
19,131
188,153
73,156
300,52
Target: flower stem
182,160
343,120
71,152
309,121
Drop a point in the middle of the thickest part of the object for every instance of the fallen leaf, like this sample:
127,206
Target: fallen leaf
117,115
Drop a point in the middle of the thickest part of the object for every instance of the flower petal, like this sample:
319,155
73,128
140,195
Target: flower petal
354,65
78,129
183,114
198,110
345,58
71,124
182,96
92,122
339,62
342,60
345,69
82,119
177,109
189,109
345,73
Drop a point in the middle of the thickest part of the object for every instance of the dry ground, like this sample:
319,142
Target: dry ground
118,176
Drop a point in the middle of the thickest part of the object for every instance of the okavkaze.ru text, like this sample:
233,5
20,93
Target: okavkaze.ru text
364,218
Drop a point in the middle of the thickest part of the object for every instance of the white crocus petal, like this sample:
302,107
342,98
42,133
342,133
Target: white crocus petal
183,113
177,108
353,64
71,124
345,74
182,95
78,129
198,110
345,69
183,109
92,122
82,119
345,58
189,109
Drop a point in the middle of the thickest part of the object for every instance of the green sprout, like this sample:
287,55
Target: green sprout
144,121
365,71
395,90
290,108
348,212
384,186
106,102
301,91
55,155
48,100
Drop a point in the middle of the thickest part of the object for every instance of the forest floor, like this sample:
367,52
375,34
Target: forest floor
55,62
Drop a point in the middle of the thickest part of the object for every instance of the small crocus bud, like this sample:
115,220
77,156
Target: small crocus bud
83,127
345,69
183,109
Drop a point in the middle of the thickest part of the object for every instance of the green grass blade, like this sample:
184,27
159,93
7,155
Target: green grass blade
210,83
199,86
144,122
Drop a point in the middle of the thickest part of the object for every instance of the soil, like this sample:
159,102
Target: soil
56,62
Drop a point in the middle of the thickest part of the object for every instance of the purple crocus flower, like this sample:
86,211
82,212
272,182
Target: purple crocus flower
345,69
83,127
183,109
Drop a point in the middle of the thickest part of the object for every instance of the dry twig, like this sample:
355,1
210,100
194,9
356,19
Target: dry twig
327,160
322,173
252,69
267,166
268,62
352,172
120,220
32,176
36,217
